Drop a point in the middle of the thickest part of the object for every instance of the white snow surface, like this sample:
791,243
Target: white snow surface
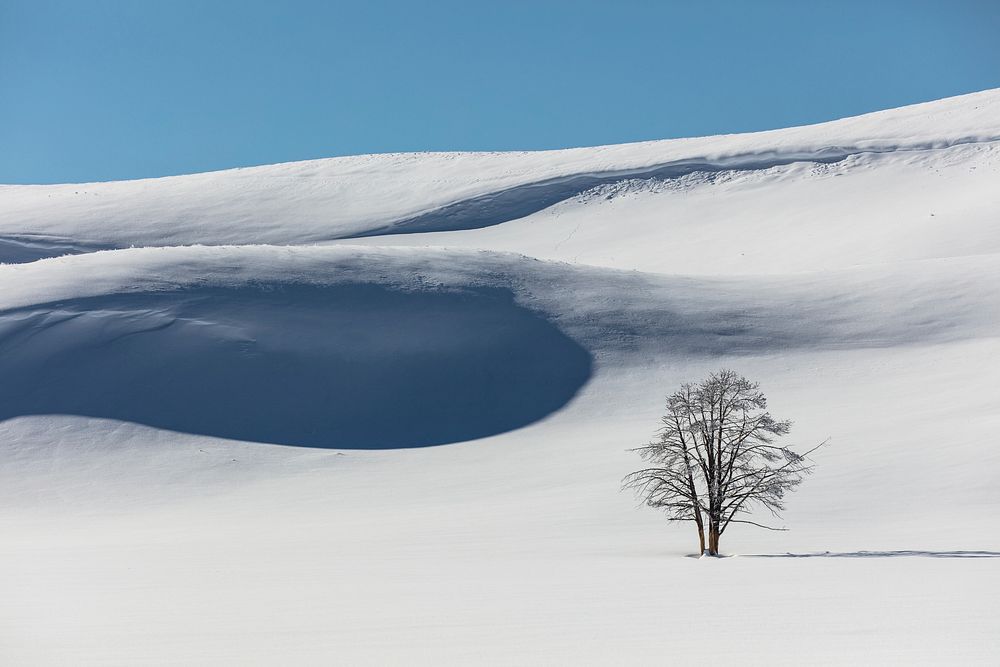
375,410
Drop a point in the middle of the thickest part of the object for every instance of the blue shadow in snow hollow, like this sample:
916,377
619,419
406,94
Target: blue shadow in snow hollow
349,367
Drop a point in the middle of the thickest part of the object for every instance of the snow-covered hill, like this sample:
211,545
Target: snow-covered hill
375,409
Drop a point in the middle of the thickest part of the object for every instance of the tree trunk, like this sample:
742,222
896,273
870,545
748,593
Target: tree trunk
713,539
698,521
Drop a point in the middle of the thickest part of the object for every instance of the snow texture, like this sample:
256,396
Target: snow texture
375,409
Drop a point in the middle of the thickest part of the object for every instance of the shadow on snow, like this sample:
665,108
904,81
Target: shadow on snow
523,200
350,366
28,248
882,554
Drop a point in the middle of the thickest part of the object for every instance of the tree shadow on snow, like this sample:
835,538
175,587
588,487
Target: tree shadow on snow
349,366
882,554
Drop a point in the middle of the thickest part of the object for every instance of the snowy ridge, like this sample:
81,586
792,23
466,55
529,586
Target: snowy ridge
849,308
520,201
320,200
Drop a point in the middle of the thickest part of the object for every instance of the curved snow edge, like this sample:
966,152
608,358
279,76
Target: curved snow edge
522,200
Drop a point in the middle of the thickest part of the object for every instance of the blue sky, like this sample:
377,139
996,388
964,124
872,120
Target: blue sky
111,90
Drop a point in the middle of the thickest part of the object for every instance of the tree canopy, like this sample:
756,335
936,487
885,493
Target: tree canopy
716,459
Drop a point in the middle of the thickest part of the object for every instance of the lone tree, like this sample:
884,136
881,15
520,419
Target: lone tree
716,458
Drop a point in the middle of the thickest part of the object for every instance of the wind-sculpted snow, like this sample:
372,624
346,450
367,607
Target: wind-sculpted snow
623,316
338,198
21,249
348,366
521,201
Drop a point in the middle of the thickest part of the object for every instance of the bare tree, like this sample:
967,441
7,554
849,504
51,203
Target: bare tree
716,458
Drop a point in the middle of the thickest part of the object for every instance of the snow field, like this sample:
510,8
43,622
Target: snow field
467,372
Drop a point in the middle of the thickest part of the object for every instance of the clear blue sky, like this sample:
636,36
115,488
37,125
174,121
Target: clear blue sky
129,89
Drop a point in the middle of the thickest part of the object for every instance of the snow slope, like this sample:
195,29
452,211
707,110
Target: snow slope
320,200
403,442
